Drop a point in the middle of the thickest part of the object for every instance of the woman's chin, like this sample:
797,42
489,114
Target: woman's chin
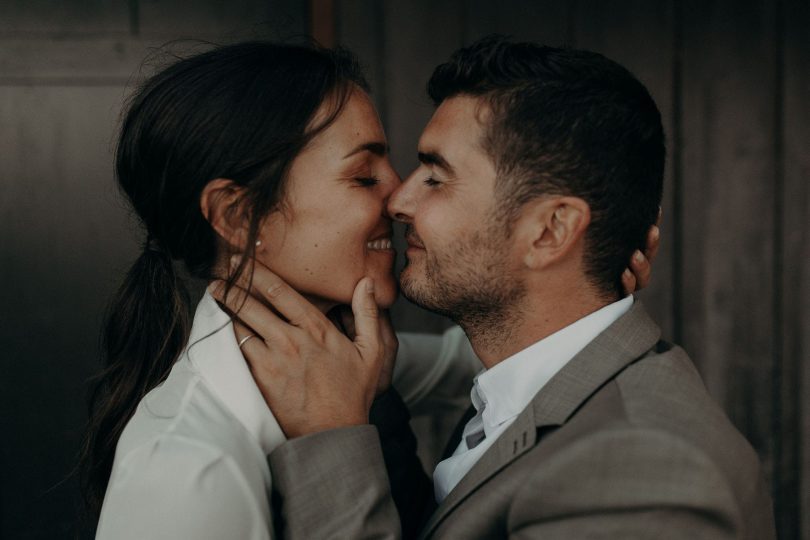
386,293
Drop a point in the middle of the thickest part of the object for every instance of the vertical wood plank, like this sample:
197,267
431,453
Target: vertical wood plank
222,21
793,491
358,25
728,208
63,20
66,241
543,21
63,67
322,21
639,35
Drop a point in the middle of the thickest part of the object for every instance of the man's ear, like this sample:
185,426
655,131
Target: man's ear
222,204
551,228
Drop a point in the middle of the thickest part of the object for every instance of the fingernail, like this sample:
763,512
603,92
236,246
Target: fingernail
627,273
235,260
656,232
638,256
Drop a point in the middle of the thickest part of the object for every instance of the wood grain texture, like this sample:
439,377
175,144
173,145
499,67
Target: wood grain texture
728,205
38,19
66,240
359,27
77,62
596,25
322,22
792,492
221,21
543,21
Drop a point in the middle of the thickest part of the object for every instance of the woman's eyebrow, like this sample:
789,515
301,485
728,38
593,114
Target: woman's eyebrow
377,148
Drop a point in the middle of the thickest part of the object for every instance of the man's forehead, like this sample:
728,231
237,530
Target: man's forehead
458,120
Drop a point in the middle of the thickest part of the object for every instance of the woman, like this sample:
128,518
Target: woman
274,151
221,153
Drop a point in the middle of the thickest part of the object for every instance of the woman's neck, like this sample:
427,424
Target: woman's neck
321,304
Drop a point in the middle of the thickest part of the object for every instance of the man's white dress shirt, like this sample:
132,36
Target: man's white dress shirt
192,461
499,394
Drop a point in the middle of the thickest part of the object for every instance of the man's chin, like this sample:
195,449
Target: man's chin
414,291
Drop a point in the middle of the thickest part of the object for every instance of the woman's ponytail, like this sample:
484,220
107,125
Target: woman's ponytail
146,327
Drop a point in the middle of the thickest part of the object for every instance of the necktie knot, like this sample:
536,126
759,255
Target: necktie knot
474,439
474,430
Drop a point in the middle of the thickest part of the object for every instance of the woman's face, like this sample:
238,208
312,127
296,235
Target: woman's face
333,228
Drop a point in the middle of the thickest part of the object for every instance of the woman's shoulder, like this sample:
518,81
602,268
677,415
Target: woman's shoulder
183,416
173,486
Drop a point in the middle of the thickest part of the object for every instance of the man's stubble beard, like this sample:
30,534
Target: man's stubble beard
470,282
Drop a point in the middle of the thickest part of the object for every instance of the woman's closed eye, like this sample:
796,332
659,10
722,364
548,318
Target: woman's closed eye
368,181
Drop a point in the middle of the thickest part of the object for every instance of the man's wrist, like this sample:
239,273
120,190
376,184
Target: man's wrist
329,424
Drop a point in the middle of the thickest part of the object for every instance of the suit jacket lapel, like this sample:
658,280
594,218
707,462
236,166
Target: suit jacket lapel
623,342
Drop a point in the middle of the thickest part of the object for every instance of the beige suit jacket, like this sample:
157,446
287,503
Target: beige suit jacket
624,442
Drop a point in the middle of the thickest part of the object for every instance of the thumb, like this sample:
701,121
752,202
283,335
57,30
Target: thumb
366,319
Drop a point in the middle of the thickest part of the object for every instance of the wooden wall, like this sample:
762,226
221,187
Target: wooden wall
732,80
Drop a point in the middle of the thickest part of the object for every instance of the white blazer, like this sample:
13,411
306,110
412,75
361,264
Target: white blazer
191,463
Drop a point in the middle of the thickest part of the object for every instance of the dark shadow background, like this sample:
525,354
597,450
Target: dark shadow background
732,79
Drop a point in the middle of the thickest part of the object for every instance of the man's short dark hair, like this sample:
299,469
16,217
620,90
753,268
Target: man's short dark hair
567,122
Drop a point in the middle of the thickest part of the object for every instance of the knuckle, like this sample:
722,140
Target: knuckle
274,289
286,346
319,330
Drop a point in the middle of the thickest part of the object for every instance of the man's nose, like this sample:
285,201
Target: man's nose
389,186
401,202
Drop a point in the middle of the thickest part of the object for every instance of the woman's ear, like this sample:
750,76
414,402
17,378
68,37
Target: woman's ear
552,228
222,204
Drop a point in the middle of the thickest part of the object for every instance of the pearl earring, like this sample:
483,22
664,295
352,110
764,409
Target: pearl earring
258,243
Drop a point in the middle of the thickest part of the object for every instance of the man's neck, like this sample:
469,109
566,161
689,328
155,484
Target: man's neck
534,319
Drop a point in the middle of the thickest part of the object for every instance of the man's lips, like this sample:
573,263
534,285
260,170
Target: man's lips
412,239
414,243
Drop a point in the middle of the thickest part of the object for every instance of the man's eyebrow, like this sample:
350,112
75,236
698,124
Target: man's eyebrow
375,147
434,158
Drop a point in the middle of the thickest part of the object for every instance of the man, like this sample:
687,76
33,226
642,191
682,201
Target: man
541,171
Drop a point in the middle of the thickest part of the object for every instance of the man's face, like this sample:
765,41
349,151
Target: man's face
459,255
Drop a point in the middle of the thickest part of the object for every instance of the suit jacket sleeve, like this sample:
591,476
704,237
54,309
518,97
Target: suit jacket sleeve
628,484
333,484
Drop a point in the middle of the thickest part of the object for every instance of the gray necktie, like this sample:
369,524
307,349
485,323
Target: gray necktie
475,438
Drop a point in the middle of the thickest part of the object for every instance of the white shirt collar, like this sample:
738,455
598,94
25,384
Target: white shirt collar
214,354
507,388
